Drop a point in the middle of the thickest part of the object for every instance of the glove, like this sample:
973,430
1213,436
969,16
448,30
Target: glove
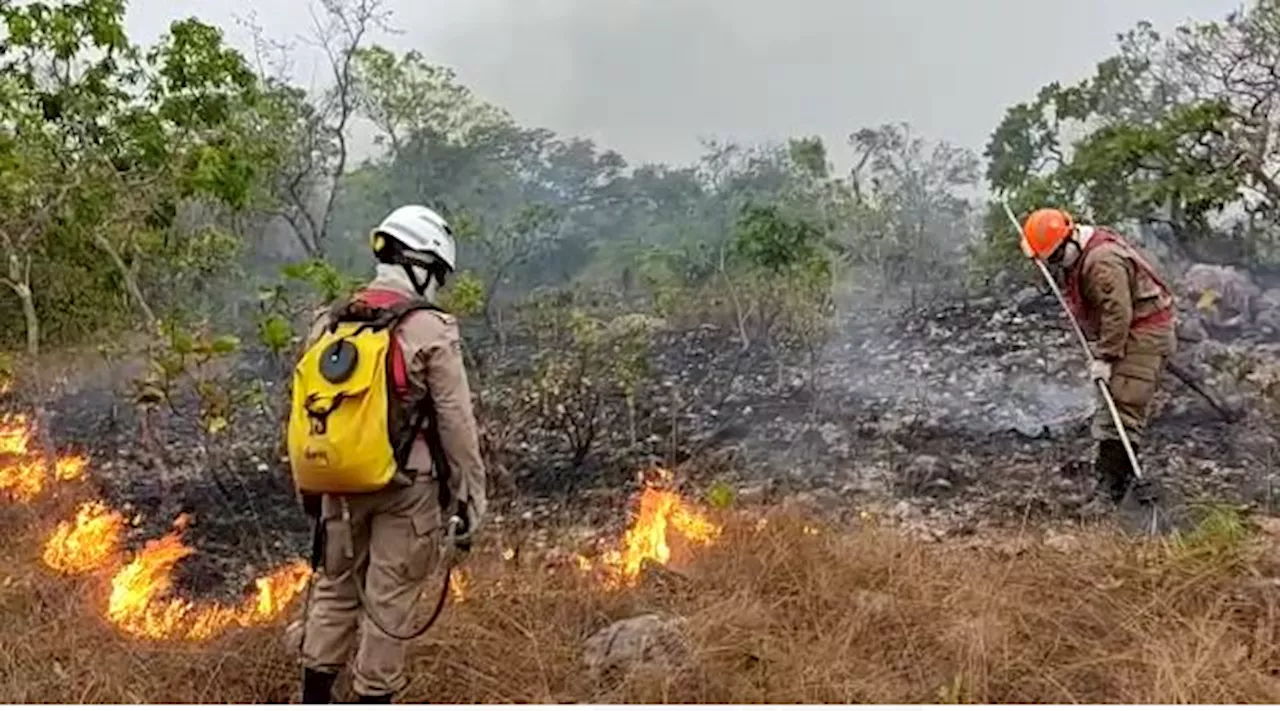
1100,370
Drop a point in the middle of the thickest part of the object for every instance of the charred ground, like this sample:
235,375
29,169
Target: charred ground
950,418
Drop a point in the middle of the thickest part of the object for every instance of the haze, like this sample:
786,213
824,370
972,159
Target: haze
648,77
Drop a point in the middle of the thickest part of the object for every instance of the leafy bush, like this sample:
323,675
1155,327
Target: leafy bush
585,364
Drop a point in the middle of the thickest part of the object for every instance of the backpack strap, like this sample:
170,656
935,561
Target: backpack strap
379,309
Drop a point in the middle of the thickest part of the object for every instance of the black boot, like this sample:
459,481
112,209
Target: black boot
381,699
317,686
1114,469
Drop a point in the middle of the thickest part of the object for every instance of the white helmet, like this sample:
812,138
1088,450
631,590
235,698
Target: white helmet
419,232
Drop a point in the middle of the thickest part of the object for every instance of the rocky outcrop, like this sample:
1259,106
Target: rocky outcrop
1227,296
648,642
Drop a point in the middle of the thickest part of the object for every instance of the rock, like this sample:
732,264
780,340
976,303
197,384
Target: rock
1220,292
924,473
1062,542
1025,298
646,641
750,495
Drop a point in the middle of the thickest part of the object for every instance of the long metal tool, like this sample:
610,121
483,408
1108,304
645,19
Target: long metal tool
1230,415
1088,354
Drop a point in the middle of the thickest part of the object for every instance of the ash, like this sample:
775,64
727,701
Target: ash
945,417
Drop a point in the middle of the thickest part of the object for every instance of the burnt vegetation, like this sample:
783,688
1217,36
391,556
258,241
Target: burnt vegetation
864,349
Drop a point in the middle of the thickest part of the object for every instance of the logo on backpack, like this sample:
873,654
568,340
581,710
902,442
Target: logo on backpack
350,429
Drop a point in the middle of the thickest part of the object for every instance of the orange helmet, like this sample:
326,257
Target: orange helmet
1044,232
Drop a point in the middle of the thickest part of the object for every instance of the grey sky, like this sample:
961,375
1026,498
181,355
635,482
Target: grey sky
647,77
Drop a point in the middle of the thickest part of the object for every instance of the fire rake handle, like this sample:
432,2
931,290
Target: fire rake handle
1088,352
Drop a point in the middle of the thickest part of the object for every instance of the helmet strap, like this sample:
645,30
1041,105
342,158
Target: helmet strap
435,275
418,286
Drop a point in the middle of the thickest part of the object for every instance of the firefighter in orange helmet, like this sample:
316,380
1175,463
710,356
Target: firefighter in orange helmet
1127,313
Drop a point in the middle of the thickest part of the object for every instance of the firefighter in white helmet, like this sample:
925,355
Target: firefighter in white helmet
379,548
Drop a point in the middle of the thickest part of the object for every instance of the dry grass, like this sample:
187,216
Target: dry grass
778,615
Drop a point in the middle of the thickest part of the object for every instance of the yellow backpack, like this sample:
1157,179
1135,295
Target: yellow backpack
349,430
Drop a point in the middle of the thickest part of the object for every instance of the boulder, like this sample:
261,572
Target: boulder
1267,318
925,475
1025,298
1225,295
646,641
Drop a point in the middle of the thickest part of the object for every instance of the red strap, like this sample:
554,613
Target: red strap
1100,237
1159,318
1138,259
381,299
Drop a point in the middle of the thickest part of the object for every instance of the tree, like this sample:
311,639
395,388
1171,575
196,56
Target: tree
404,96
102,143
31,198
508,245
912,222
311,132
1176,129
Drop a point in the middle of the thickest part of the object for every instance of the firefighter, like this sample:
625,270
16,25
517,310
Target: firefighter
1126,311
377,548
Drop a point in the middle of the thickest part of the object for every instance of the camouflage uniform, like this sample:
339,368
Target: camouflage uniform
400,527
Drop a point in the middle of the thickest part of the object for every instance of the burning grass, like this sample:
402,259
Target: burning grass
776,612
776,609
139,602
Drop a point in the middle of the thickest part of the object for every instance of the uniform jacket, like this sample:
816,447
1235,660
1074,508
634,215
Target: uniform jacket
1115,293
431,345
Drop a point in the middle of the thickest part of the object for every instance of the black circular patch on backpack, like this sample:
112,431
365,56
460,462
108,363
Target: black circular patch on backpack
338,361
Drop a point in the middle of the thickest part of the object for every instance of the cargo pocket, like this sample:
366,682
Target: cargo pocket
1133,383
337,543
422,528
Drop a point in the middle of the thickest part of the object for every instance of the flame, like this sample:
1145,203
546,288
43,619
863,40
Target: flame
141,606
140,603
459,582
87,543
15,435
70,468
646,539
22,472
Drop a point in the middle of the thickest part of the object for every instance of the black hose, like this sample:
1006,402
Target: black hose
318,543
373,617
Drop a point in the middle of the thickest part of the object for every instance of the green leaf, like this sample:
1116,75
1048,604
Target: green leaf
721,495
217,424
224,345
276,333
